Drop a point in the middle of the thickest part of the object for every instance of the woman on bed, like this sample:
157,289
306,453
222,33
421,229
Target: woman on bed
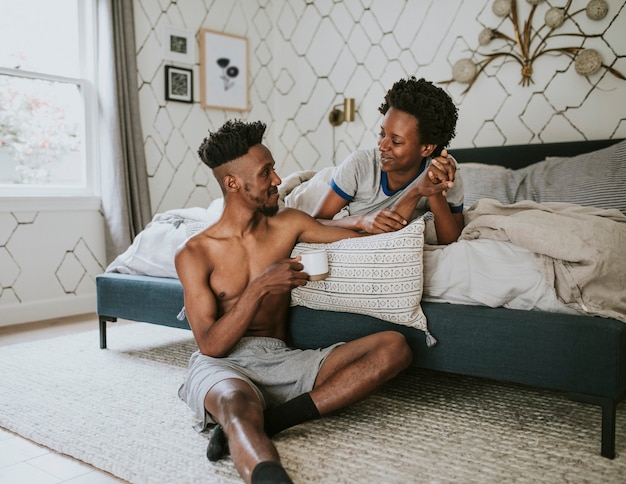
382,189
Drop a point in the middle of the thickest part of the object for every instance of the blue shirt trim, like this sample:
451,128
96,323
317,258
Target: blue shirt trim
339,191
457,209
385,186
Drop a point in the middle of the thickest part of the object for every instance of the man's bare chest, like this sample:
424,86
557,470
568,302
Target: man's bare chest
235,265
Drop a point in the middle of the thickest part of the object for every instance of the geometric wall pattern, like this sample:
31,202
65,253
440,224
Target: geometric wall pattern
48,263
304,58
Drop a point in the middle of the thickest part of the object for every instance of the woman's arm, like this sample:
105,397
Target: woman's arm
329,206
448,225
434,183
385,220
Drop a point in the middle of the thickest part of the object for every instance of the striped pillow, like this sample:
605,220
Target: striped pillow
376,275
596,179
489,181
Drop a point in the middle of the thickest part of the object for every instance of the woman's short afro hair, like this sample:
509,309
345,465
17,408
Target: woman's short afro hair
435,112
230,142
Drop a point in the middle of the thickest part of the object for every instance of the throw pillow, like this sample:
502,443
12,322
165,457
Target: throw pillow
596,179
489,181
307,195
376,275
152,251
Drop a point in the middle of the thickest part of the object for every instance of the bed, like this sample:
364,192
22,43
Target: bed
574,342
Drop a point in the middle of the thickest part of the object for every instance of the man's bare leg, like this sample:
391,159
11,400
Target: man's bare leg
236,407
349,374
357,369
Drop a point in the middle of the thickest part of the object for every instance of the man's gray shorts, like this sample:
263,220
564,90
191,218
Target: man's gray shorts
276,372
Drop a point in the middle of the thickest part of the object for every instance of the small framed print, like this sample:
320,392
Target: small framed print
179,45
178,84
223,71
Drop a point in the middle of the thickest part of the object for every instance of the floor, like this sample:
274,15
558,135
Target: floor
25,462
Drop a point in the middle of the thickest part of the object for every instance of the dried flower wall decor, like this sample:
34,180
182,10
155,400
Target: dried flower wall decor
527,44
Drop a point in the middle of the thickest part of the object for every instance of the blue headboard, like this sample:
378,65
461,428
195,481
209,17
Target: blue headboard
518,156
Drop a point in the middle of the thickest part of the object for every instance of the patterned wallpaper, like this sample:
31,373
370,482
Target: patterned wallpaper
304,57
48,263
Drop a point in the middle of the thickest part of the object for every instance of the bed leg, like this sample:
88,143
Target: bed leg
608,429
103,329
609,410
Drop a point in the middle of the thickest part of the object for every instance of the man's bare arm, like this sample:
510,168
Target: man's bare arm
313,231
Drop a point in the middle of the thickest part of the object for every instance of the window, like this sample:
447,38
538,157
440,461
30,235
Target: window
47,98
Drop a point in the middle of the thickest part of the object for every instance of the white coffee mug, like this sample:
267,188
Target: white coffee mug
315,264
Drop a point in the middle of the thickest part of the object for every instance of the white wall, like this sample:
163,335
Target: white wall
304,56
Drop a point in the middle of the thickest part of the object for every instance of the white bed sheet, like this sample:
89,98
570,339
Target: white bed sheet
488,273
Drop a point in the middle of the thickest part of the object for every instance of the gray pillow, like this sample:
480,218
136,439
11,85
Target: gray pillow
596,179
489,181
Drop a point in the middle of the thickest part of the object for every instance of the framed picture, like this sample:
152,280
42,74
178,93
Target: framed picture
179,45
223,71
178,84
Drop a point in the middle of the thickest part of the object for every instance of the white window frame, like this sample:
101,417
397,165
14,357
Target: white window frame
41,198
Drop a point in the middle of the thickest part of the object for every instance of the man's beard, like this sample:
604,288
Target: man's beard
262,208
268,210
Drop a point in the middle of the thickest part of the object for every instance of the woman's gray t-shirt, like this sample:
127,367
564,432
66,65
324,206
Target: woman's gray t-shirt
360,181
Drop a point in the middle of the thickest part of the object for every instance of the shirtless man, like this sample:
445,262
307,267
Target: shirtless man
237,276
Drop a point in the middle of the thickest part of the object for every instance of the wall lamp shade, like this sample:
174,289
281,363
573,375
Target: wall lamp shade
337,116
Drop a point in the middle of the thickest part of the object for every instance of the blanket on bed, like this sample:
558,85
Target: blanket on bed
489,265
582,250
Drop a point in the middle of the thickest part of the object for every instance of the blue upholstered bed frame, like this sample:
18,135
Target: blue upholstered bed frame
582,356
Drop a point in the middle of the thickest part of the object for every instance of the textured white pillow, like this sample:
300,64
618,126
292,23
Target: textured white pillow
377,275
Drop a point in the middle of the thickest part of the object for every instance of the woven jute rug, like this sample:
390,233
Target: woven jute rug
118,410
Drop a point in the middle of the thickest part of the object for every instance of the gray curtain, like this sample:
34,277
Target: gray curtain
124,179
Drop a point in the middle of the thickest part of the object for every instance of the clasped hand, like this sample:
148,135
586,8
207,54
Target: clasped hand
440,175
437,179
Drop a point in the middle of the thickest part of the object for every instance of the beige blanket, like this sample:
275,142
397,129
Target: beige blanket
582,250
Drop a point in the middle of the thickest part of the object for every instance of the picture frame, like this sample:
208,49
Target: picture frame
179,45
224,71
178,84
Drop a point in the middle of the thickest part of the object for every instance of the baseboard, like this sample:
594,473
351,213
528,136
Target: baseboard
47,309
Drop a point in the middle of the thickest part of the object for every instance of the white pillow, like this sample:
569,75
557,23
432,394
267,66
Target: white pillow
376,275
307,195
152,251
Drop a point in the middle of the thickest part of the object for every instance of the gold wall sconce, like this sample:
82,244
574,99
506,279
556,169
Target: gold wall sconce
337,116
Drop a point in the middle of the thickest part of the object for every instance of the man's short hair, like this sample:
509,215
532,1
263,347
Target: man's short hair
432,106
230,142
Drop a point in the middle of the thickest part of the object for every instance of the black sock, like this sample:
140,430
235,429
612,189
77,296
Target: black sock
218,444
293,412
269,472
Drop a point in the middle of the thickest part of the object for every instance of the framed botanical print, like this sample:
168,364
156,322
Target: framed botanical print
223,71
